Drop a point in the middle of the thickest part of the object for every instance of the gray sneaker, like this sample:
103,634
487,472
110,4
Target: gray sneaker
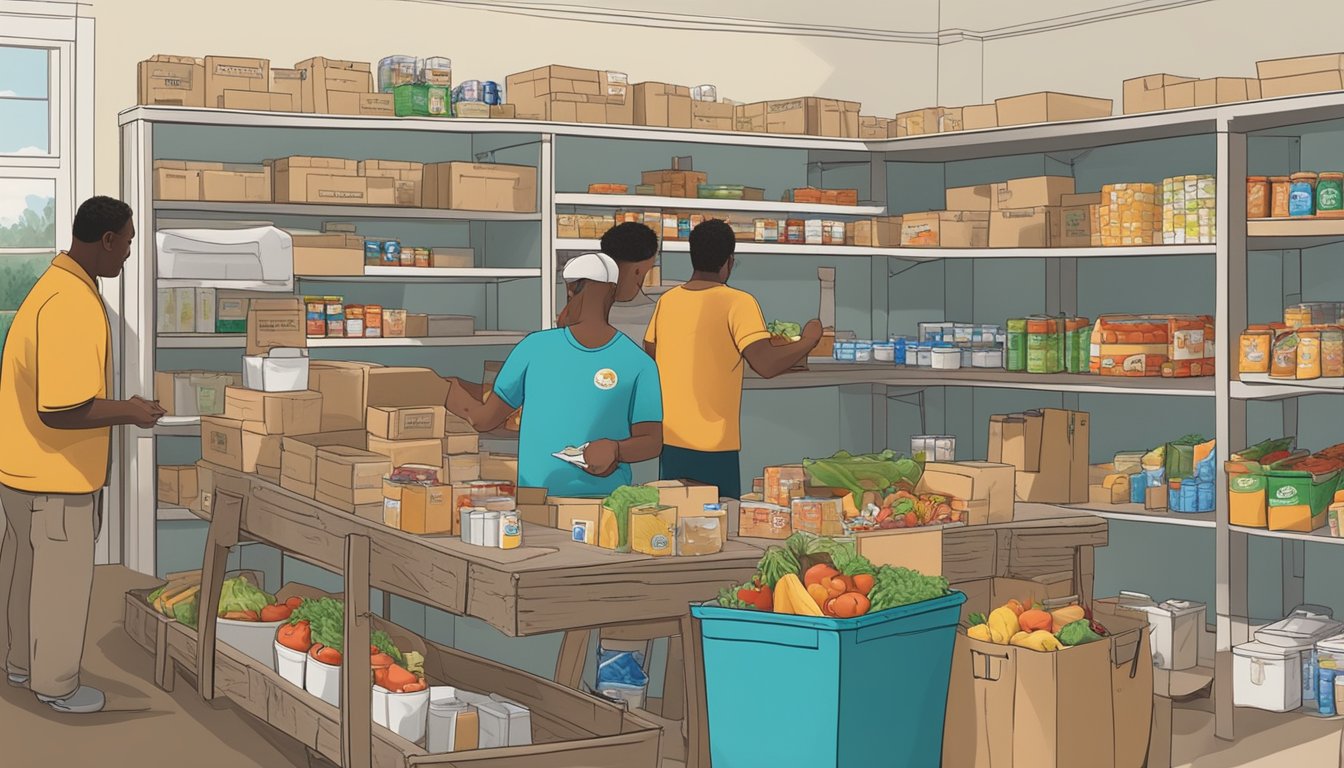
17,679
83,701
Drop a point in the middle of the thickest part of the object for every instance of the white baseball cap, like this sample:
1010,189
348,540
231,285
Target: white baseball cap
597,267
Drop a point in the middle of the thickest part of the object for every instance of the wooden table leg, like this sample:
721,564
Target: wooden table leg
1159,746
226,518
573,658
165,672
697,720
356,675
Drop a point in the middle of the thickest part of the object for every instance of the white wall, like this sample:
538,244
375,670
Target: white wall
806,48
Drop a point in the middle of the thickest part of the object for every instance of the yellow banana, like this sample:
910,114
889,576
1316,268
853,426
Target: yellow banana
980,632
1003,625
1040,640
800,602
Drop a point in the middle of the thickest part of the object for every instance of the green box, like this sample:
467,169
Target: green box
1288,488
420,100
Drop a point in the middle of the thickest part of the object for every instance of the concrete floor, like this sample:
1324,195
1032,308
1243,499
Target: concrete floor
149,728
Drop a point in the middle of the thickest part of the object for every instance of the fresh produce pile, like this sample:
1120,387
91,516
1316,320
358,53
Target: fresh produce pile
317,627
902,509
1268,452
817,576
1034,628
870,478
239,600
790,331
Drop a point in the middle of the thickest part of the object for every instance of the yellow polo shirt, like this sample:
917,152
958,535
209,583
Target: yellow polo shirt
700,337
56,357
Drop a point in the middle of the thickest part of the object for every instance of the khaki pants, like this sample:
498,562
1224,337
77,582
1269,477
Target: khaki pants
46,567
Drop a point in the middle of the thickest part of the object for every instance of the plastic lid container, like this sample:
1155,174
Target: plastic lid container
396,70
945,359
436,70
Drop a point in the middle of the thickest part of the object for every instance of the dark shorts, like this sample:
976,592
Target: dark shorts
719,468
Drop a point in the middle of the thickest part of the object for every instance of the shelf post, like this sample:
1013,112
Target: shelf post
546,182
356,675
1231,300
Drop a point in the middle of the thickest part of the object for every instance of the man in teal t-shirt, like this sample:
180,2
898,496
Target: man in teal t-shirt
584,384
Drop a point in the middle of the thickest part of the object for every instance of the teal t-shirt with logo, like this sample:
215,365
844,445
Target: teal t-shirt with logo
571,395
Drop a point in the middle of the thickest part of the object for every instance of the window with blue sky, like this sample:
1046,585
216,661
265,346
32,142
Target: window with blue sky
25,107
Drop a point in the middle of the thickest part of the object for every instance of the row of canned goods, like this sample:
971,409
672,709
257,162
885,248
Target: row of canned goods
938,355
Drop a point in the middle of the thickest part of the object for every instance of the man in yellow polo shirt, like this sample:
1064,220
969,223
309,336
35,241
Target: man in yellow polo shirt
55,384
700,334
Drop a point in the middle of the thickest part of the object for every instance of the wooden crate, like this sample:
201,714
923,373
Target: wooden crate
570,729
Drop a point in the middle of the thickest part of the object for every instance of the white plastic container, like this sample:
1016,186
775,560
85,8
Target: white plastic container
444,707
221,258
1174,627
254,638
1266,677
280,370
405,714
323,681
519,721
1301,630
987,358
884,351
1331,652
493,717
290,664
630,695
934,447
946,359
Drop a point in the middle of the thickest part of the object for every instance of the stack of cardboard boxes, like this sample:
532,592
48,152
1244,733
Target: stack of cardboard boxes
1049,449
316,85
807,116
214,182
1042,107
687,521
1019,213
571,95
1156,93
248,437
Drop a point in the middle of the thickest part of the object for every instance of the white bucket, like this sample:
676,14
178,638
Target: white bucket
253,638
290,664
405,714
323,681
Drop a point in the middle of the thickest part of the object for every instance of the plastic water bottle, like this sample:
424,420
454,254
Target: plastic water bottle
1310,673
1325,702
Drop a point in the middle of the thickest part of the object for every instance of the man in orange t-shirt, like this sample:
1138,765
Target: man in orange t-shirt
700,334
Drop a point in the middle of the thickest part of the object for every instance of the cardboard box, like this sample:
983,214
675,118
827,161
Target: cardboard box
713,116
879,232
663,105
466,468
945,229
410,177
256,101
978,197
784,483
971,481
950,121
275,323
481,187
1224,90
289,81
762,520
1024,228
349,190
687,497
420,422
343,387
1315,82
193,393
1050,107
1074,224
417,325
461,443
873,127
1055,452
1299,65
979,117
811,116
366,104
1014,707
1031,192
348,478
276,413
290,175
178,486
1149,93
819,516
237,445
174,81
403,452
329,255
675,183
452,258
498,466
477,110
918,122
298,458
395,386
325,76
173,180
580,517
236,183
420,509
227,73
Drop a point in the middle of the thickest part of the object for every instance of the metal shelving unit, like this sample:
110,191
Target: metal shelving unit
1227,126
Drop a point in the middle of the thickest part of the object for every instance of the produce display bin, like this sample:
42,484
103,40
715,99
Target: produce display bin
817,683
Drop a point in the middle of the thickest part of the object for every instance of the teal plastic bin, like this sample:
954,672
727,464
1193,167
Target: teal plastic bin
809,692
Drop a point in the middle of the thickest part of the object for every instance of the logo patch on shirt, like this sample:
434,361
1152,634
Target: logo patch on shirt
605,379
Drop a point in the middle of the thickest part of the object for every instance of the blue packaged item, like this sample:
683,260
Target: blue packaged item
845,351
621,667
1301,199
898,357
1310,671
391,253
1325,700
373,252
491,93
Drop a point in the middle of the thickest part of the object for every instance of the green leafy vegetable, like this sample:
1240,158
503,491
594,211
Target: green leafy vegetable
783,328
187,612
728,596
155,594
875,472
238,594
1078,633
380,640
844,556
414,663
975,619
894,587
776,563
326,621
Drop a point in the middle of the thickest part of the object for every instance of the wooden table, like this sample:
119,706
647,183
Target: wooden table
550,585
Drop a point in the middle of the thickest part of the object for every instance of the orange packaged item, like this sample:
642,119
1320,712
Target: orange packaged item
1152,345
1283,361
1279,186
1308,354
1297,316
1257,197
608,189
1332,353
1256,342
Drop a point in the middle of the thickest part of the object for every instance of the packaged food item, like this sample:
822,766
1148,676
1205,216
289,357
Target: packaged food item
354,321
373,253
373,321
510,530
335,316
436,70
1332,353
1308,354
1330,195
1302,194
1256,342
407,257
1283,362
1279,187
394,71
795,232
316,316
422,258
391,253
1297,316
1015,357
394,323
1045,345
1257,197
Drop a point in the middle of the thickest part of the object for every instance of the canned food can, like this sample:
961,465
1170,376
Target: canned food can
391,253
